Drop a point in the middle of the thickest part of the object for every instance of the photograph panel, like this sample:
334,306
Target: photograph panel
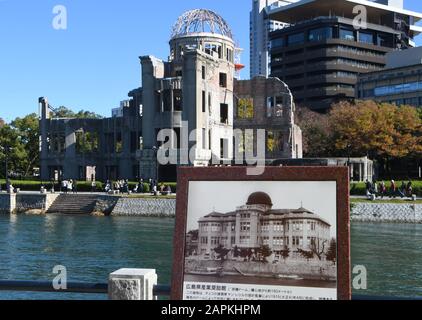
261,234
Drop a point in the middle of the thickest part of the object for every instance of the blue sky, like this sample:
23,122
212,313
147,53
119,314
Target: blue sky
94,63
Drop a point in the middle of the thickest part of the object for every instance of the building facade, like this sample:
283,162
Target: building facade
399,83
267,104
90,149
195,87
184,113
257,224
260,27
320,54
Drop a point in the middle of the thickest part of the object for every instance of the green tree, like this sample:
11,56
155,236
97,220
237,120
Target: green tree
285,253
236,252
12,148
27,129
264,253
64,112
221,252
308,255
332,251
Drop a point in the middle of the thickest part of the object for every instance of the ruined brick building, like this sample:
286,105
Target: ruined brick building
195,90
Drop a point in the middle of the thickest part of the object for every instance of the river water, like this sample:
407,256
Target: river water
93,247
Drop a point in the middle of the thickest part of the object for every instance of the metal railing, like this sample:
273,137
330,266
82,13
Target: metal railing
102,288
71,287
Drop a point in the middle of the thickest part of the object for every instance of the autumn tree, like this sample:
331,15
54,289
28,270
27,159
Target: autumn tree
380,130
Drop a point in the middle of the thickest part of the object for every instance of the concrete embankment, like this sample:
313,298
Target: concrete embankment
153,207
387,212
34,203
26,202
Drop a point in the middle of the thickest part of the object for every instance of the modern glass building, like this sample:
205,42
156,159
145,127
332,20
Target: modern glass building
322,51
260,27
400,83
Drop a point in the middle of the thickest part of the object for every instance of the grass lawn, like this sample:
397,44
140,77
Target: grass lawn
387,200
145,196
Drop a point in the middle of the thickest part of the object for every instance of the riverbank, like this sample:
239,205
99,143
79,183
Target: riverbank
102,204
387,212
144,205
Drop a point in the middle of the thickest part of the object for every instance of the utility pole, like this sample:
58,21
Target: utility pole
156,164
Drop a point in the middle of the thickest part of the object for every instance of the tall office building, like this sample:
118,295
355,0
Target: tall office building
399,83
260,27
322,52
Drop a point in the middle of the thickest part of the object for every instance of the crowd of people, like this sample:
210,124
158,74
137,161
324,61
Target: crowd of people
381,190
68,186
122,186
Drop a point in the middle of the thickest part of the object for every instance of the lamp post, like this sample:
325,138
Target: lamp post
156,163
6,151
349,162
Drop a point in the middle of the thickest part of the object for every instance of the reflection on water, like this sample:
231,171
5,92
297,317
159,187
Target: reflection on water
92,247
392,254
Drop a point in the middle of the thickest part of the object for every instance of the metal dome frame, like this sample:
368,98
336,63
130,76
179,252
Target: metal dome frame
200,21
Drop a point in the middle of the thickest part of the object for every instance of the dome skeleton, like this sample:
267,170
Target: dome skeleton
199,21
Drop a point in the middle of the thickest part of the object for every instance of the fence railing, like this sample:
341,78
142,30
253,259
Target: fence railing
72,287
143,286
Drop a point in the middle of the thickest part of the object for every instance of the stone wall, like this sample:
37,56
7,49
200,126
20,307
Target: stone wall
7,203
145,207
27,202
22,202
105,204
387,212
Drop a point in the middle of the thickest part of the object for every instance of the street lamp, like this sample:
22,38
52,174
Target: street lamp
156,162
6,151
349,162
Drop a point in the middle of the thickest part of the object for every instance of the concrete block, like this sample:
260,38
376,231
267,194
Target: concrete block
132,284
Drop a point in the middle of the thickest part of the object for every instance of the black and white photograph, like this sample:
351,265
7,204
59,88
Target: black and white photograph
262,234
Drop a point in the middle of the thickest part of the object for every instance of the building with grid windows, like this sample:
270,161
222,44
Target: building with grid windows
320,54
257,224
400,83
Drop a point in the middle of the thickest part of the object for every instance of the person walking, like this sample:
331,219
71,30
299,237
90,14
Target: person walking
63,186
74,187
69,186
409,189
93,186
382,189
393,189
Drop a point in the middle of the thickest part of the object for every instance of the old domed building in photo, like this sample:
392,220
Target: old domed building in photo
258,224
